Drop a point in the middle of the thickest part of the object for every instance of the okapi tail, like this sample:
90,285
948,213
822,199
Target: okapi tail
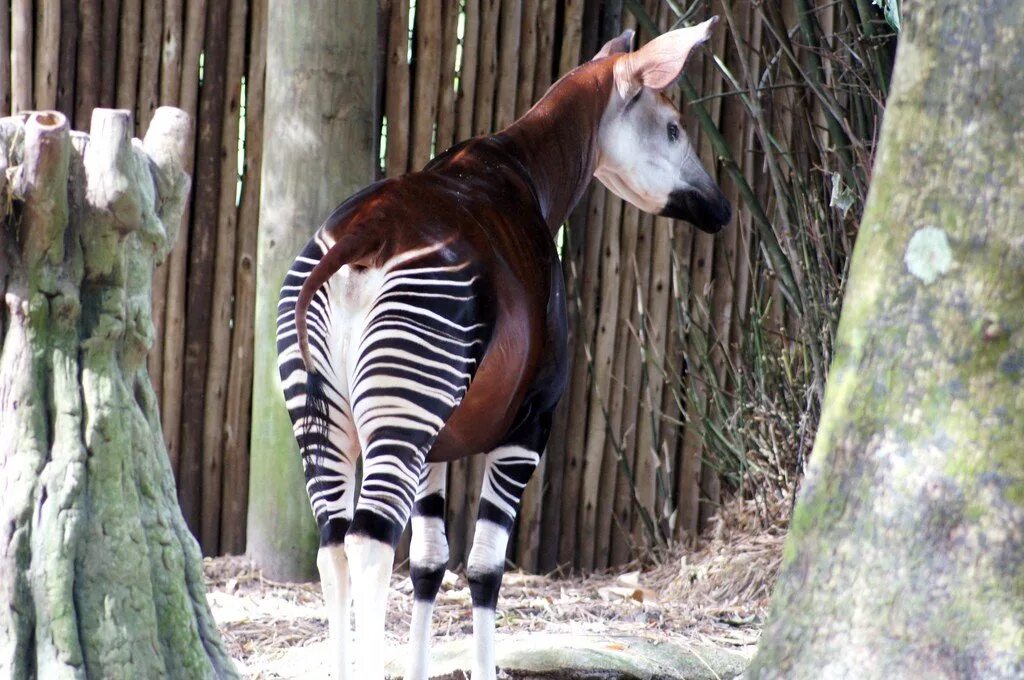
349,247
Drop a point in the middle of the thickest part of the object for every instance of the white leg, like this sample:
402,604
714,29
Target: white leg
333,566
428,558
485,569
370,562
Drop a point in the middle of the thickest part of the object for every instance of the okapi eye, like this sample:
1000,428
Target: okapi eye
673,132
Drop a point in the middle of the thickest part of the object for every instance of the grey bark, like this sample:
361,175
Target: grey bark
906,552
318,149
99,576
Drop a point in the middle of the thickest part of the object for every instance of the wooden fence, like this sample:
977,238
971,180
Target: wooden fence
622,464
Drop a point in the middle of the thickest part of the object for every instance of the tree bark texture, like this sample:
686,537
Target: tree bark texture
906,553
318,149
99,576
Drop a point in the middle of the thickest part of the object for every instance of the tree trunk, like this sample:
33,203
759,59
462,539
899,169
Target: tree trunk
99,576
906,553
318,149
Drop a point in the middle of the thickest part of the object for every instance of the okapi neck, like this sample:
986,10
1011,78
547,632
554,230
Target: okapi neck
556,140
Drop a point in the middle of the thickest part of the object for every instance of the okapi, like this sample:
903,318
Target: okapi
426,321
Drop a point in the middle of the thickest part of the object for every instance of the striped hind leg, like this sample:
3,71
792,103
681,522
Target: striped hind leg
508,470
321,418
411,368
428,557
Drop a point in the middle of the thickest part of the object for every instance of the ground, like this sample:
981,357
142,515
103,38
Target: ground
706,600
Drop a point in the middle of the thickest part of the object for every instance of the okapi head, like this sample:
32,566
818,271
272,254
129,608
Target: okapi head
644,155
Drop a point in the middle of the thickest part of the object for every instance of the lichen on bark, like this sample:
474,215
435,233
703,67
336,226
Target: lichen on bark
99,576
906,553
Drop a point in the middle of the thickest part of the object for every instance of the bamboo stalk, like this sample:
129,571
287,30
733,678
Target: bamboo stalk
21,56
187,93
427,62
527,57
219,344
586,229
396,97
147,100
194,468
487,68
239,394
445,135
508,62
572,35
129,57
5,54
597,462
47,60
111,10
546,61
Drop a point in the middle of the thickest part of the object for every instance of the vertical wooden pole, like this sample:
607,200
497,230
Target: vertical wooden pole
508,62
185,65
427,62
129,47
396,102
239,395
21,55
221,307
5,56
47,60
110,11
301,186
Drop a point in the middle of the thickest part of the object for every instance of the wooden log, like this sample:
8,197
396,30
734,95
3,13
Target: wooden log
445,135
487,68
588,231
5,55
528,56
21,55
186,93
623,404
47,60
427,63
572,35
597,462
235,492
221,307
129,55
147,99
396,102
510,26
110,12
197,468
547,48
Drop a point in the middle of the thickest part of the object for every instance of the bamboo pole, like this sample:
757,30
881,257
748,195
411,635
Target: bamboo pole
21,56
219,344
5,55
459,518
508,62
528,57
235,492
445,135
129,56
47,59
427,62
487,68
597,462
110,11
554,460
572,35
396,96
587,229
147,98
186,93
198,468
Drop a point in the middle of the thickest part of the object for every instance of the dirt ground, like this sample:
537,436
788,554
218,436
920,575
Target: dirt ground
716,594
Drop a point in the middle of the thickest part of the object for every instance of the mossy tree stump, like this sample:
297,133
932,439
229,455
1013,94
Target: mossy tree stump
906,552
99,576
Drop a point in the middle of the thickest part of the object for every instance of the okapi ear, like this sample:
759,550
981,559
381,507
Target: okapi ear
623,43
658,63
